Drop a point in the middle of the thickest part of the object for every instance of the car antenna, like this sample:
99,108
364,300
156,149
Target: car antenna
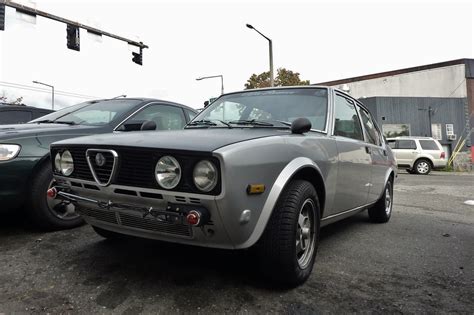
123,95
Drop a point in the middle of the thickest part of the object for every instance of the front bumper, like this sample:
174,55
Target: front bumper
14,181
145,213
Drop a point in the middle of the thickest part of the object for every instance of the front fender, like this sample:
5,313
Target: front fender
280,183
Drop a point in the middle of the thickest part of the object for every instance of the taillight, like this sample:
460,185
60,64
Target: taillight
443,155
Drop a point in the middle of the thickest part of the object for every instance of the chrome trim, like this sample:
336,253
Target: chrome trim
114,166
360,208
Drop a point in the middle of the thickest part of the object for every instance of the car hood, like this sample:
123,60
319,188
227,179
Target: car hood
192,139
31,130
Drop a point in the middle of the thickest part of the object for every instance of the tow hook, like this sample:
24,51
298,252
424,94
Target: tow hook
52,193
197,217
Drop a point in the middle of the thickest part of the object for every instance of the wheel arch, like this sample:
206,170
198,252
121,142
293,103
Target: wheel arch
39,164
298,168
424,158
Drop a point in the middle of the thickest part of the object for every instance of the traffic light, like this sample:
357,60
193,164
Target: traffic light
73,39
2,17
138,57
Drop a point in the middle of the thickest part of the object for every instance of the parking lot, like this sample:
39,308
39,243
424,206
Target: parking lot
420,262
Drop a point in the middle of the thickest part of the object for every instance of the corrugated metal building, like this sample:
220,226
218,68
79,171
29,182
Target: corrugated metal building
406,100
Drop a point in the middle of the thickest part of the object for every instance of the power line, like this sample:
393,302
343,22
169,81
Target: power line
38,89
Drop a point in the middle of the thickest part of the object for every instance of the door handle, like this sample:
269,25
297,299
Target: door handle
367,149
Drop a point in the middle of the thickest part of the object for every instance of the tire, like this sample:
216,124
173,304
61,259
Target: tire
381,211
45,213
422,167
107,234
282,261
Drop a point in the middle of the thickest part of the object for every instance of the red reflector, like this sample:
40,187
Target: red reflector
443,155
193,217
52,192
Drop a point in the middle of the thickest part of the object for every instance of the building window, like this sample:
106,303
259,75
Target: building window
449,129
396,130
436,132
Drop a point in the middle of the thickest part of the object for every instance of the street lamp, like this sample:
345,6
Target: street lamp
270,50
214,76
52,89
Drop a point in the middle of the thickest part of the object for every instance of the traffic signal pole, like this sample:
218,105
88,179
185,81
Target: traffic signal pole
93,30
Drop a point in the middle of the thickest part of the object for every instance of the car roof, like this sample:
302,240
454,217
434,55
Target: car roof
17,107
146,100
411,138
300,87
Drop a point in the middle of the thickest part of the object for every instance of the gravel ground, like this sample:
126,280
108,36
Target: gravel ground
420,262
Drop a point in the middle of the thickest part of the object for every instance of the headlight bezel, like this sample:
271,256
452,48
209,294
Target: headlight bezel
12,151
213,183
177,166
66,171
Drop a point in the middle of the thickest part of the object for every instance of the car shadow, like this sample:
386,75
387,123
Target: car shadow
161,264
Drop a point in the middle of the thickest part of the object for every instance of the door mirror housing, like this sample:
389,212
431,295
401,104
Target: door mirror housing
300,125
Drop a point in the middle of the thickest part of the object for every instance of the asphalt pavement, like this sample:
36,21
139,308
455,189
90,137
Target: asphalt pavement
422,261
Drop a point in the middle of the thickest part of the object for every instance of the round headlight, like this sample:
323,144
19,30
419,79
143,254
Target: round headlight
168,172
205,176
66,163
57,162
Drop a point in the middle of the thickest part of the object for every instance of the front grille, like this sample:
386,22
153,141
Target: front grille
136,167
101,215
152,224
102,172
137,222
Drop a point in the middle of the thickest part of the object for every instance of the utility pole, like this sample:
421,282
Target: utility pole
72,26
214,76
270,48
52,92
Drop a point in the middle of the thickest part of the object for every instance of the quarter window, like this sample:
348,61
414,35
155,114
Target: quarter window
347,122
429,145
369,127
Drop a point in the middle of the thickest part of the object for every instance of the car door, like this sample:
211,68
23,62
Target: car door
354,159
166,117
405,151
378,152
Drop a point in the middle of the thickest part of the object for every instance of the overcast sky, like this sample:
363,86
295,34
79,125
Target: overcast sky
322,40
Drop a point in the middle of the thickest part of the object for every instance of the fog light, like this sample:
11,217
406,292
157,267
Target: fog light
193,218
52,193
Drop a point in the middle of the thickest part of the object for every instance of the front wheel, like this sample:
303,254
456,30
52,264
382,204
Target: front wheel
381,211
289,244
45,212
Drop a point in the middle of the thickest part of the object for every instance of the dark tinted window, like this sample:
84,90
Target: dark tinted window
347,122
406,144
428,145
14,117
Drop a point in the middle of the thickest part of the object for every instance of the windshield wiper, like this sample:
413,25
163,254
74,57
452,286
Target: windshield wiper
207,122
48,121
252,122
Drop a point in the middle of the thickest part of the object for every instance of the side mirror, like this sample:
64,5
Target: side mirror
300,126
148,125
206,103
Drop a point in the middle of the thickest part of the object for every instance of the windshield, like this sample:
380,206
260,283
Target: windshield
270,106
90,113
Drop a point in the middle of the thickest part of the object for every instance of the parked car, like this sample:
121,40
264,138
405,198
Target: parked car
419,155
259,168
25,166
18,114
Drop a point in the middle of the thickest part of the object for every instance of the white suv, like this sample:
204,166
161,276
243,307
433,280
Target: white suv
419,154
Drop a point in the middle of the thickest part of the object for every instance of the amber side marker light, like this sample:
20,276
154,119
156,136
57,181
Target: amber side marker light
255,189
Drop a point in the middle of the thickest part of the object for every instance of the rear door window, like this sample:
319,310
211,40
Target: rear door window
14,116
429,145
347,123
406,144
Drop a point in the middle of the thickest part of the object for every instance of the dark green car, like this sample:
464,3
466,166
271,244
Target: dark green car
25,166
